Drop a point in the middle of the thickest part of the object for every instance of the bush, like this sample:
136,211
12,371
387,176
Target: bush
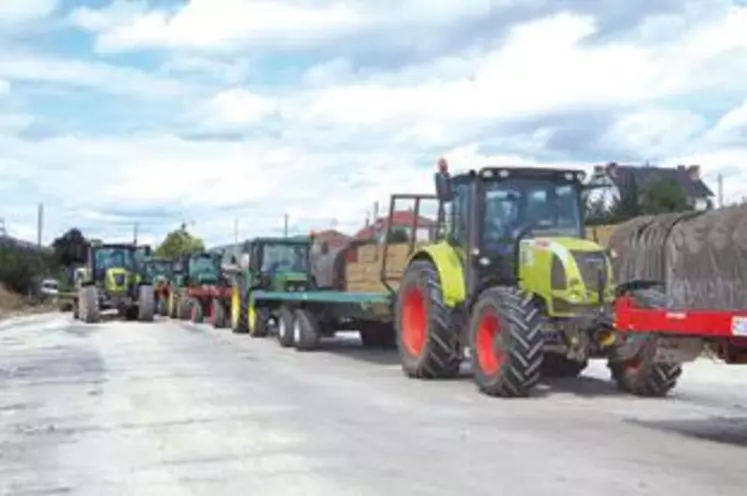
21,269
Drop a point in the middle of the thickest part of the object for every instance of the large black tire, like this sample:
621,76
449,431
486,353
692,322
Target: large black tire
259,327
184,309
641,375
428,344
88,305
218,314
285,327
505,335
240,317
146,305
306,331
555,365
163,305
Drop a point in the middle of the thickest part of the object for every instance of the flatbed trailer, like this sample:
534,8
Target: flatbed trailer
725,332
304,317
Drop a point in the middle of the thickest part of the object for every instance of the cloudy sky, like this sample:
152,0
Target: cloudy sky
154,111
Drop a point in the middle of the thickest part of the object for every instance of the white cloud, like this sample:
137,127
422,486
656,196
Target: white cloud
22,11
346,138
233,108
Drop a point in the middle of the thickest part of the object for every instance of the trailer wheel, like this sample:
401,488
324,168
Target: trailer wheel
428,345
506,342
145,304
285,327
196,313
306,331
218,313
641,375
258,318
88,305
555,365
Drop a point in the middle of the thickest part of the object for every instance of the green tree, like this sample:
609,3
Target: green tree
179,242
628,205
664,196
71,248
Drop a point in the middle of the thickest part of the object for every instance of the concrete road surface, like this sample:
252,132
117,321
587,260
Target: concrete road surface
176,409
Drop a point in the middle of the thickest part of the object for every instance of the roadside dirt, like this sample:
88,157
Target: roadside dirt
13,304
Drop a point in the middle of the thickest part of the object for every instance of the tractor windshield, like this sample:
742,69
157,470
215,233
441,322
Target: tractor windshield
203,266
285,258
156,269
108,258
544,206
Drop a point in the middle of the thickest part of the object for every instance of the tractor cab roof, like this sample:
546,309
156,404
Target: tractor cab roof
509,172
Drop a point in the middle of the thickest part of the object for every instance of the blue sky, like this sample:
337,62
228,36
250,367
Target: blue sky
150,112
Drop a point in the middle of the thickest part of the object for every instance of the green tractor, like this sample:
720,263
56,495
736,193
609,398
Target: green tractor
269,264
200,289
159,272
112,279
514,285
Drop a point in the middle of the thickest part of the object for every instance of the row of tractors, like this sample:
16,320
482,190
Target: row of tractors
508,283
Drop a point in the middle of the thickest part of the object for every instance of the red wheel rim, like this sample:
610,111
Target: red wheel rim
489,357
414,322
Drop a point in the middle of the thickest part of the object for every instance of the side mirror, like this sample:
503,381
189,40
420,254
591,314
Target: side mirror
443,187
234,260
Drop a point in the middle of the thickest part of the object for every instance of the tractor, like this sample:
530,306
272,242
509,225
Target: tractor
513,285
200,289
158,272
112,279
269,264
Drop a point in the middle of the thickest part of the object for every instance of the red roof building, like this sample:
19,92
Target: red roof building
401,220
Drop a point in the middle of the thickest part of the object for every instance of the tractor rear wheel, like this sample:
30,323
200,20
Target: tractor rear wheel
258,318
218,313
506,341
239,313
196,313
285,327
555,365
146,306
184,309
428,343
641,375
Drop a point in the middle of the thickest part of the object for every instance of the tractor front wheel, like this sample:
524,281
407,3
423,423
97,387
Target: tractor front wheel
286,320
258,320
506,341
428,344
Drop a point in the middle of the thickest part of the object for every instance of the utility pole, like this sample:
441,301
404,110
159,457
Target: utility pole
3,232
720,190
39,225
285,224
134,233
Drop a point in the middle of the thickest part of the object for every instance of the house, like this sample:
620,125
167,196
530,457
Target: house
401,221
332,237
615,178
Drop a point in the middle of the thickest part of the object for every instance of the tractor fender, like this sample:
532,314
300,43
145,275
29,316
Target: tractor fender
448,264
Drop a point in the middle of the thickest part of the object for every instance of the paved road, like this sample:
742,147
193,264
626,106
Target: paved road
175,409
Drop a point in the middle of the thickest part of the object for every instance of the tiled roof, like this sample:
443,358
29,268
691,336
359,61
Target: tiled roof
644,175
